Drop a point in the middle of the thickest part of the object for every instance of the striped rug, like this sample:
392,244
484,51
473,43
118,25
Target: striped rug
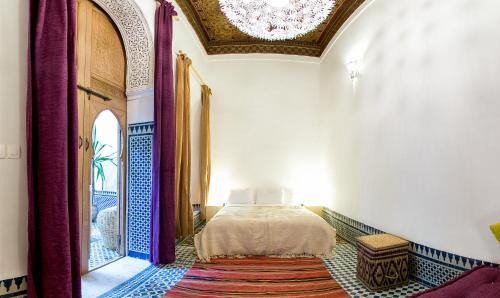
258,277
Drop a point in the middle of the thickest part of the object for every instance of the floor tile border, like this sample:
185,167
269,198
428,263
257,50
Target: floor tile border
428,266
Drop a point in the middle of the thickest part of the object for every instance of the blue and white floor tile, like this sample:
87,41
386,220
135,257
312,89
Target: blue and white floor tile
106,278
99,255
156,281
343,269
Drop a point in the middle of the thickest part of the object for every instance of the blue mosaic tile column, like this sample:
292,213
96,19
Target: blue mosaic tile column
140,141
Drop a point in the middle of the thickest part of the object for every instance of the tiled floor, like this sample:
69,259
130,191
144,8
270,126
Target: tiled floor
155,281
343,268
106,278
99,255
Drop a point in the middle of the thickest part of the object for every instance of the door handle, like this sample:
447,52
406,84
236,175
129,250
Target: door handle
80,142
87,144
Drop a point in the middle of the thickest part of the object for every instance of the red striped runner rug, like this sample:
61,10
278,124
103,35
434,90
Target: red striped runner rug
258,277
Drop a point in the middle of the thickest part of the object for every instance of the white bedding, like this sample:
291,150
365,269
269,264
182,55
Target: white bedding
283,231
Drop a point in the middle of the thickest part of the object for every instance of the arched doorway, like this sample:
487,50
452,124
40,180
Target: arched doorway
106,175
102,127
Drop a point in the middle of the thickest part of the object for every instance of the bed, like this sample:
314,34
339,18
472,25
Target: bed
270,230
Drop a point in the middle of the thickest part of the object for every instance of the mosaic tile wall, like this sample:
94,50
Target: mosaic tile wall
104,199
428,266
14,287
140,141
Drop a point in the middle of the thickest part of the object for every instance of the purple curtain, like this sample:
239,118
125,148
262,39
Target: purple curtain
52,151
162,249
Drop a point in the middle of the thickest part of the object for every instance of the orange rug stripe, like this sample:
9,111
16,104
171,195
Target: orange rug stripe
258,277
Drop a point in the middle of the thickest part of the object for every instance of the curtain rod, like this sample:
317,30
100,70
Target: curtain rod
195,71
175,18
93,92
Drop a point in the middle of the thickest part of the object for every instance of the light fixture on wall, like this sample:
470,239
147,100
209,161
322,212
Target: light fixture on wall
495,229
276,19
353,68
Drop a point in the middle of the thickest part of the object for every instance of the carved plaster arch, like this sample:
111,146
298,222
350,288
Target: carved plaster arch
137,40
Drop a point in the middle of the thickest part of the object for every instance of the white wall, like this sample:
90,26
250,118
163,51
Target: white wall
265,125
280,100
108,133
411,148
414,144
142,109
13,187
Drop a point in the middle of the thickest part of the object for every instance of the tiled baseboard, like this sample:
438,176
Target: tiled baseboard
13,287
197,219
428,266
138,255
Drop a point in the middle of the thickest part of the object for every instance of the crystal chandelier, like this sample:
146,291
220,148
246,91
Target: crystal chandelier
276,19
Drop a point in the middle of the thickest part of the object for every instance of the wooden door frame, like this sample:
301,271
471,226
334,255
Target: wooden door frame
93,108
117,105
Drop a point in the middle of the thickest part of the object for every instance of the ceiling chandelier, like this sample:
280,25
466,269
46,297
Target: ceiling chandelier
276,19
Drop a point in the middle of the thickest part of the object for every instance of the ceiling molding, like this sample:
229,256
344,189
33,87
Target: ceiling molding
218,36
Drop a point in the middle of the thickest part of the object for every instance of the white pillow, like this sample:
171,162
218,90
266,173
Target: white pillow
269,196
241,196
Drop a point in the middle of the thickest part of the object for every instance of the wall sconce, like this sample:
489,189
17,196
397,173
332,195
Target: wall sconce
353,68
495,229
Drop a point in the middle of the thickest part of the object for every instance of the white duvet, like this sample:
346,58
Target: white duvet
283,231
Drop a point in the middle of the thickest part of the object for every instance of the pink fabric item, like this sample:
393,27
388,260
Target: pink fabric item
52,151
162,250
480,282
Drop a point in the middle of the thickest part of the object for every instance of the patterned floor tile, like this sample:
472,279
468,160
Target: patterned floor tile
342,267
155,281
99,255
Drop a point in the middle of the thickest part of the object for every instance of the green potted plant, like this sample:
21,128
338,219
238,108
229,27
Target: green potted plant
97,163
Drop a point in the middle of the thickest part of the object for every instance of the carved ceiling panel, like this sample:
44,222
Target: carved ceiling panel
219,36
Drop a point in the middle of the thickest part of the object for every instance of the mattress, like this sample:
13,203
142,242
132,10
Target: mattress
278,231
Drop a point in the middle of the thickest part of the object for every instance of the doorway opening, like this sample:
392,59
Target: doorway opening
106,173
102,116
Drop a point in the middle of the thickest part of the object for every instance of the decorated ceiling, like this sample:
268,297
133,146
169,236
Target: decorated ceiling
219,36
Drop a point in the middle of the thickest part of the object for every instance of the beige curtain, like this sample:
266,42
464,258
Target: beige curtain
183,207
205,160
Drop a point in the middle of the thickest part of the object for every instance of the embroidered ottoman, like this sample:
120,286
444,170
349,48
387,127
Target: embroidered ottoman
108,225
382,261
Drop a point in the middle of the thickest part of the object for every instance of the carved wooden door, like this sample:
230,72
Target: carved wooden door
101,83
